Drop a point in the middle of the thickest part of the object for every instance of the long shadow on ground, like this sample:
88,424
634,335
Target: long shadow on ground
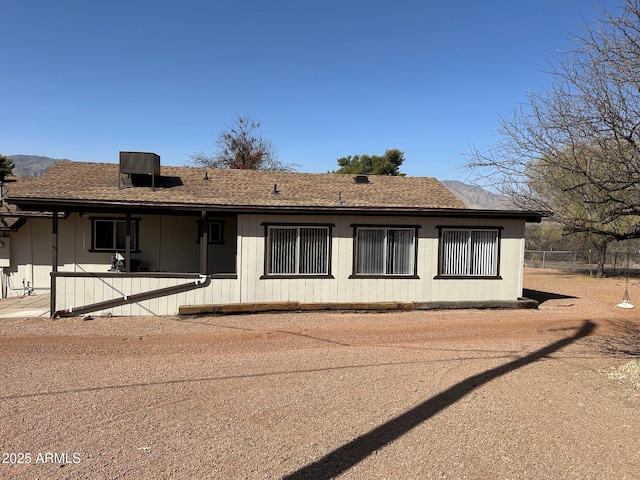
350,454
541,297
625,341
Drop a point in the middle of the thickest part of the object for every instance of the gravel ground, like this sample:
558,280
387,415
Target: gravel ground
452,394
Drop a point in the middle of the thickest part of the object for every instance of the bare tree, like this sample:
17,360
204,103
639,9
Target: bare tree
574,150
241,146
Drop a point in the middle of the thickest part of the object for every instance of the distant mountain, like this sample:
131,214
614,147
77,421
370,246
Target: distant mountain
31,165
477,197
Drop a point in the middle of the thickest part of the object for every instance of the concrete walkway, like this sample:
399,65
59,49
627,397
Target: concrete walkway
27,306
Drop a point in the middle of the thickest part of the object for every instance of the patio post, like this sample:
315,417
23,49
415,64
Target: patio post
127,254
204,243
54,259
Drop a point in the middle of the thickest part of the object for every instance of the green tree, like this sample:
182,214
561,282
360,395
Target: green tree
6,166
387,164
241,146
544,236
580,201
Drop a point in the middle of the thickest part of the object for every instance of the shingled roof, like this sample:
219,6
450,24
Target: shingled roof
98,182
11,217
81,186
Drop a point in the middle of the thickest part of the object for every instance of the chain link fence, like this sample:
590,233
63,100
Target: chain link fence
616,263
561,260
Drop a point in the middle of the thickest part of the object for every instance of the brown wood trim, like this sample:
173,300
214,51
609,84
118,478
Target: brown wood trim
298,276
383,225
386,277
464,227
296,224
204,243
54,241
214,276
361,306
247,308
238,308
467,277
106,206
524,303
131,223
19,223
54,261
127,243
267,249
259,307
354,257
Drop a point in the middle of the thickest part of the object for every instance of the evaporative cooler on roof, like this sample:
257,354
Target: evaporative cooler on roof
140,167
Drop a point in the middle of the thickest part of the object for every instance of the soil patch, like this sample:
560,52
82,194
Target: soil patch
420,394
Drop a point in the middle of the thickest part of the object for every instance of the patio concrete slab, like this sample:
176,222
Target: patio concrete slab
27,306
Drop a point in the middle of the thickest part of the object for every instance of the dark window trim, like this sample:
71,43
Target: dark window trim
440,276
220,224
354,264
297,277
268,276
464,227
383,225
467,277
296,224
135,225
214,276
221,241
386,277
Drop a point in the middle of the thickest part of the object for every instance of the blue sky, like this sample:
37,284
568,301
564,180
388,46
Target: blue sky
86,79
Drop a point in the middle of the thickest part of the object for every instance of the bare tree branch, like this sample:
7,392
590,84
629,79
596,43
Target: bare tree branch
241,146
573,150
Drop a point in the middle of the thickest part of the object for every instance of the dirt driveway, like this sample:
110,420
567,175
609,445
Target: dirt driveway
455,394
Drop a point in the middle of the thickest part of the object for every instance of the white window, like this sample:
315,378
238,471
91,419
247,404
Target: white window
293,250
109,234
385,251
469,252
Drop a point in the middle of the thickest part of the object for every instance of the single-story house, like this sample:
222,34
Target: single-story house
135,238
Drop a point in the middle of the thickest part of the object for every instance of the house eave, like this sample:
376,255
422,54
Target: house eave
11,221
93,206
13,226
